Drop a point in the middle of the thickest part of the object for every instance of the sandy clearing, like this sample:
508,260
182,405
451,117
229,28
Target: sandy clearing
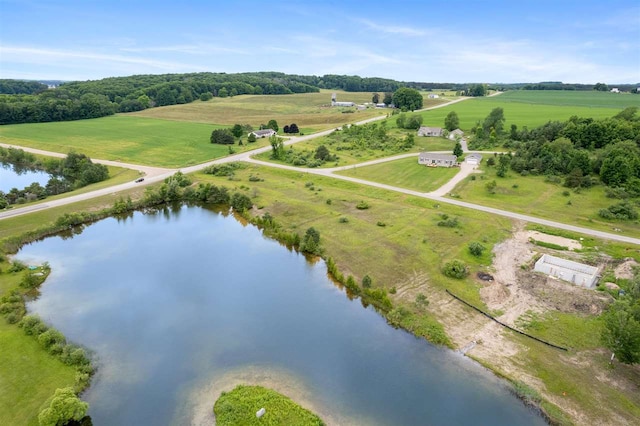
554,239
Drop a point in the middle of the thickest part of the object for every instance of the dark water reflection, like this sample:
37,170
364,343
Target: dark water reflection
172,301
11,177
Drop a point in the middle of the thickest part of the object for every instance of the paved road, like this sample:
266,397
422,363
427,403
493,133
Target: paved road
158,174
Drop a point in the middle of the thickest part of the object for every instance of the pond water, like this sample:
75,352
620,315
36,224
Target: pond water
20,178
179,303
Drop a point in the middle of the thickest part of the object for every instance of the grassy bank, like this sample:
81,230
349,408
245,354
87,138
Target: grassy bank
239,407
30,375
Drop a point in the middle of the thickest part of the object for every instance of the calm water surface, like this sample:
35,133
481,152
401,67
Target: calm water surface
10,179
172,301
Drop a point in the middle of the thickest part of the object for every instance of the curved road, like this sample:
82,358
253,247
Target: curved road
155,174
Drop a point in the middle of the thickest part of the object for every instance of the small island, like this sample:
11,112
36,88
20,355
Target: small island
241,404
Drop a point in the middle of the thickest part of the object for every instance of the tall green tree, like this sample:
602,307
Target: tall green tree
621,333
477,90
388,98
273,124
457,150
495,120
407,98
375,98
237,130
451,121
222,136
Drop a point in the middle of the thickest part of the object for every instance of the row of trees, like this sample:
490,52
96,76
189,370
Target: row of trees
72,172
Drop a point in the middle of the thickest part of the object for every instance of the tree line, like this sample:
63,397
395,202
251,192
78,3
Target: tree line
69,173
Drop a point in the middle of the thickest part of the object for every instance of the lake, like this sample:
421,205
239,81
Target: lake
11,178
181,304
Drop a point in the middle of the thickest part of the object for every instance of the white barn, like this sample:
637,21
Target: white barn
568,270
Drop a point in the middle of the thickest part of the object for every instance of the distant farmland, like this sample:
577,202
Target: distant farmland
534,108
310,111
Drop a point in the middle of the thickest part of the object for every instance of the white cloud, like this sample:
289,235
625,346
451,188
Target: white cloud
392,29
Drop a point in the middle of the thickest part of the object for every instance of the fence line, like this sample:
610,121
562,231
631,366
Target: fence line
505,325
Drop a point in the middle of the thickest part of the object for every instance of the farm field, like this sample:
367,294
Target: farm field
136,140
591,99
535,196
405,173
532,109
310,111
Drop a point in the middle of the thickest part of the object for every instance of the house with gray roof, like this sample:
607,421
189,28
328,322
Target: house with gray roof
437,160
264,133
430,131
454,134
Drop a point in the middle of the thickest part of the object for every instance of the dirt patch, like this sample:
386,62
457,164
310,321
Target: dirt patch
554,239
625,269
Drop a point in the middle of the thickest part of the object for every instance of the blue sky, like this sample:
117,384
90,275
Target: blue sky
434,41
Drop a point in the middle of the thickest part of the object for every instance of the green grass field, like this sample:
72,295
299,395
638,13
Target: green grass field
405,173
29,375
136,140
535,196
590,99
239,407
533,108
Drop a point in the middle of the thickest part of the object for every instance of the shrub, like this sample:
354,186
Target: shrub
64,407
31,325
343,220
311,242
17,266
51,337
362,205
620,211
449,223
351,285
366,281
455,269
421,300
240,202
476,249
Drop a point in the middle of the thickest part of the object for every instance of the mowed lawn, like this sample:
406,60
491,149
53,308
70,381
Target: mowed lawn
125,138
405,173
29,376
533,109
310,111
535,196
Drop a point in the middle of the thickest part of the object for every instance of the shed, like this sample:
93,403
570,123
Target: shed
568,270
437,160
